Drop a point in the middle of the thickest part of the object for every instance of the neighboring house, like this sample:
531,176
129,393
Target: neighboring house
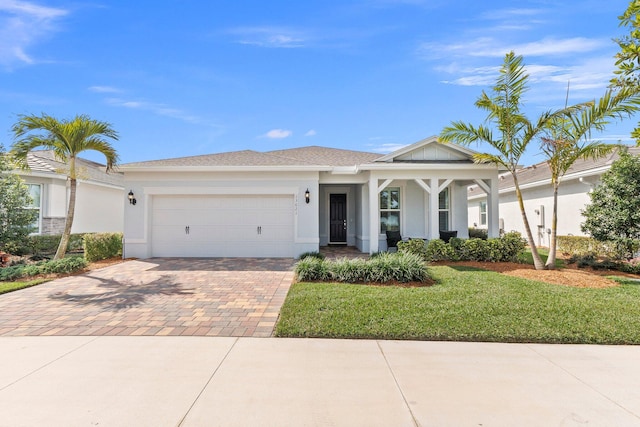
285,202
537,193
100,196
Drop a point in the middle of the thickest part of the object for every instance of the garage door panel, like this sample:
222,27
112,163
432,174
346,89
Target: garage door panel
219,226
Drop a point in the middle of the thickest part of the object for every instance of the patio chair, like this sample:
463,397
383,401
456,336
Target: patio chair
393,237
446,235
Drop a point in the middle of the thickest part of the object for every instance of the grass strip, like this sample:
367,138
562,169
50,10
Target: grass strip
14,286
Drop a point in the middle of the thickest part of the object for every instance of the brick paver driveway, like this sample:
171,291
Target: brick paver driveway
158,296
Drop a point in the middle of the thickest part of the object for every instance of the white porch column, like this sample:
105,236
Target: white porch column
493,214
433,210
374,222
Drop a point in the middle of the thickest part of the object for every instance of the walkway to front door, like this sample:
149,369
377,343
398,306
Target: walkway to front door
158,296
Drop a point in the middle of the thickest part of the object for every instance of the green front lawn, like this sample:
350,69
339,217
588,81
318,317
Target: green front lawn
14,286
466,304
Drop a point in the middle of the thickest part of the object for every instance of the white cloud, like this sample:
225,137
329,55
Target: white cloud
386,148
104,89
22,25
489,47
310,132
159,109
277,134
274,37
510,14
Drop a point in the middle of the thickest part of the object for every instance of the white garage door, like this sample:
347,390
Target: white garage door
222,226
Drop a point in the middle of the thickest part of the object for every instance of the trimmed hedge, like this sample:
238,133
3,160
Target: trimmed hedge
44,245
580,246
385,267
503,249
65,265
478,233
589,252
102,246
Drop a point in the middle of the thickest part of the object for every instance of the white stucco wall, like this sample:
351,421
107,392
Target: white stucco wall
572,197
98,209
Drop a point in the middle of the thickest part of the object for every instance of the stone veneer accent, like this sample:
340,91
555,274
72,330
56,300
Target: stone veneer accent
52,225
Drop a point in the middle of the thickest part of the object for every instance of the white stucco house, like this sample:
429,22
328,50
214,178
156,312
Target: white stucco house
286,202
99,198
535,184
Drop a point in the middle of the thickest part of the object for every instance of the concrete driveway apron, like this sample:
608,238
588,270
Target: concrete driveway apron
158,296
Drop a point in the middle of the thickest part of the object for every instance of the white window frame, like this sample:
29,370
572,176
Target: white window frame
447,209
388,209
483,213
38,229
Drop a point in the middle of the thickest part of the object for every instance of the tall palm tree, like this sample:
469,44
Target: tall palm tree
568,139
514,130
67,139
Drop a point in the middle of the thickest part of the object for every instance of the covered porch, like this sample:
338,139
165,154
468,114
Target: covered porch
418,191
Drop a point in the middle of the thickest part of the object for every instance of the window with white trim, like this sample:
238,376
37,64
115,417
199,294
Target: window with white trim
483,213
35,191
390,209
443,209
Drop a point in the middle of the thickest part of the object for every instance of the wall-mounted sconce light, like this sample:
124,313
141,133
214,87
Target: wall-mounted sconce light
307,196
132,199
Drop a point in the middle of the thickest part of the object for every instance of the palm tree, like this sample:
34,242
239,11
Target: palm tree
514,130
568,140
67,139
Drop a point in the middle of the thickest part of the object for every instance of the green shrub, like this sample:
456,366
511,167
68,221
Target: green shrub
311,268
458,246
314,254
413,246
478,233
349,270
438,250
102,246
65,265
401,267
43,245
506,248
477,249
583,245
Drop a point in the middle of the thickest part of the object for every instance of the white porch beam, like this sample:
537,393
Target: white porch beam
423,185
384,185
482,185
444,185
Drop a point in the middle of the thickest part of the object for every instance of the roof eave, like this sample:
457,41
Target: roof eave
428,166
286,168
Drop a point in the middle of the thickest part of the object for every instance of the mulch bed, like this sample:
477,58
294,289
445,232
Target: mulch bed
570,275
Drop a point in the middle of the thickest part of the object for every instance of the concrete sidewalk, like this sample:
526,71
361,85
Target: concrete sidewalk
202,381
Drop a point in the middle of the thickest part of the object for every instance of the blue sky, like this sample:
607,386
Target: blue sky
179,78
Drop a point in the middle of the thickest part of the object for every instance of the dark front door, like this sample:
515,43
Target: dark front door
338,218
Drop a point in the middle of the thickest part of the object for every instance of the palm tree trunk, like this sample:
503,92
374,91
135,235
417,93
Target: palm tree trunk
64,241
551,260
537,261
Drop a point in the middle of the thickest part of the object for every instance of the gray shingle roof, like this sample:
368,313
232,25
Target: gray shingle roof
327,156
305,156
540,171
45,161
